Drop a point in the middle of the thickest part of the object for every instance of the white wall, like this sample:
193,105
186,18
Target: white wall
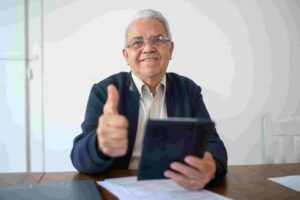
244,54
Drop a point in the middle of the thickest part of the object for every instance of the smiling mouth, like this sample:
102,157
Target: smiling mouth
148,59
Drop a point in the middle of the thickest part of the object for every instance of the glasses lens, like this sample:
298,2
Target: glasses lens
159,40
156,41
136,43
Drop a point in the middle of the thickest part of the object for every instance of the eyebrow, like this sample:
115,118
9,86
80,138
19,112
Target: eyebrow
140,37
136,38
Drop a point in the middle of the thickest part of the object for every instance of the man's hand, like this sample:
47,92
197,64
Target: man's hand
112,127
195,174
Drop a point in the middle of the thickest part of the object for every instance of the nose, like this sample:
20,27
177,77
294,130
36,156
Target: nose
148,47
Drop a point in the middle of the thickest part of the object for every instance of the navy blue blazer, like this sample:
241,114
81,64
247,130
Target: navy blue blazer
183,99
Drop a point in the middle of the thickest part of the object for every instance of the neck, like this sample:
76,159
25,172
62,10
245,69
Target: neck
152,85
152,82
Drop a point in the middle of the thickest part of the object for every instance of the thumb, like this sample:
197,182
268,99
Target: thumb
207,156
112,101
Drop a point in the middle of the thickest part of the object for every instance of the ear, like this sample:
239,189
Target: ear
171,49
125,54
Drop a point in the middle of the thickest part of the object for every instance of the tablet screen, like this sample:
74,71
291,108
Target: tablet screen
171,140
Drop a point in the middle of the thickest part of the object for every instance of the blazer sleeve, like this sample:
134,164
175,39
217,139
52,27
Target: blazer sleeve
215,145
85,155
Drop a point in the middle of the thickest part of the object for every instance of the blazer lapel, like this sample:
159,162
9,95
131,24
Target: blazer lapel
132,111
170,98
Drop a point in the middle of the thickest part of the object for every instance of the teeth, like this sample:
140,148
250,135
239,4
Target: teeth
149,59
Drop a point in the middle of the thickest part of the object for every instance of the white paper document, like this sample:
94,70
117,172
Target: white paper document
128,188
292,182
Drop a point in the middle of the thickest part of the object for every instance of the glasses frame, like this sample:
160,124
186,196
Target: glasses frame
154,41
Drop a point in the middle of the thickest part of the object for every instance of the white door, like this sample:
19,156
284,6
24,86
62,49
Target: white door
21,113
12,87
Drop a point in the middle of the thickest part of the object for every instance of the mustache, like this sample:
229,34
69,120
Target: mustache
149,57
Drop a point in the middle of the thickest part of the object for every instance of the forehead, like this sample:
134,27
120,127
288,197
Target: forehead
145,28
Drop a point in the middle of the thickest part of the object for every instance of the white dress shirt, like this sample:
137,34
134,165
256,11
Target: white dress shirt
153,107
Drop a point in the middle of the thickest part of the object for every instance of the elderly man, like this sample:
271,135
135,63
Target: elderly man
118,107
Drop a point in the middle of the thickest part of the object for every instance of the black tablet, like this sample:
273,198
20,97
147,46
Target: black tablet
75,190
171,140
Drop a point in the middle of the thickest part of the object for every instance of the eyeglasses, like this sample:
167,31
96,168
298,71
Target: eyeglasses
154,41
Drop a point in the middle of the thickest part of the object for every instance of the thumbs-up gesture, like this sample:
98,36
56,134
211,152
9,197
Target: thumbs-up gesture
112,127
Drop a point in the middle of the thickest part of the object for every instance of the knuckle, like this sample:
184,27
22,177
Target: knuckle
101,134
103,145
206,179
123,146
101,120
124,121
99,131
106,150
123,151
124,133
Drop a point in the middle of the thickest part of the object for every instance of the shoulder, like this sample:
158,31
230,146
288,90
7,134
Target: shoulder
181,81
119,80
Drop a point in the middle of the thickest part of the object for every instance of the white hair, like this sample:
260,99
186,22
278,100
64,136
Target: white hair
150,14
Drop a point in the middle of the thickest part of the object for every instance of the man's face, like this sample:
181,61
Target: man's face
150,61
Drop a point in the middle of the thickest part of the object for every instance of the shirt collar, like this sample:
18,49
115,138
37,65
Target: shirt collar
140,84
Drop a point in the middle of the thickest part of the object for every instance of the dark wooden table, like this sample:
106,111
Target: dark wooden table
8,179
241,182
